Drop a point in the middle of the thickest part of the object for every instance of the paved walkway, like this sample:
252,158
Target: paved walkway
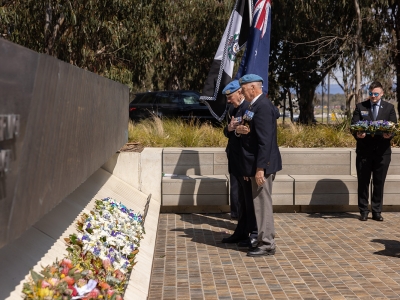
319,256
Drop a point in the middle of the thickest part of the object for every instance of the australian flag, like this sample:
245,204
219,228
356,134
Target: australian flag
220,74
256,57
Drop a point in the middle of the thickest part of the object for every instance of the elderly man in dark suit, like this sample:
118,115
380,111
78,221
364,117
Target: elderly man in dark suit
261,159
373,152
240,190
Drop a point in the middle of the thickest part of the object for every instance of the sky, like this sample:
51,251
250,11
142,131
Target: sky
333,89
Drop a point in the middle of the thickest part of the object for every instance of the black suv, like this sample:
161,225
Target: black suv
171,104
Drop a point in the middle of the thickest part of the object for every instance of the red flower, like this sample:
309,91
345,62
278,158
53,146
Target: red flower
107,264
73,289
104,286
93,294
119,275
66,263
69,280
65,271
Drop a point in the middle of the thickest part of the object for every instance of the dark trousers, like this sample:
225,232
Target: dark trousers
236,192
247,223
378,166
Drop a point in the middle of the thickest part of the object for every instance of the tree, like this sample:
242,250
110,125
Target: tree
374,55
387,20
113,38
307,41
189,41
146,44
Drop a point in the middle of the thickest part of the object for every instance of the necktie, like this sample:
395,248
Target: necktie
374,111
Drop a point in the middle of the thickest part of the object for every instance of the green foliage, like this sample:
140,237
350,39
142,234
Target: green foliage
156,45
306,42
146,44
300,136
177,133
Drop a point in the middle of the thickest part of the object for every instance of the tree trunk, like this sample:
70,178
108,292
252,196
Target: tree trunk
307,92
284,105
396,37
348,112
290,105
357,52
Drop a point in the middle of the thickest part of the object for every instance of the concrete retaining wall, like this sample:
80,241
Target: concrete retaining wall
43,242
309,177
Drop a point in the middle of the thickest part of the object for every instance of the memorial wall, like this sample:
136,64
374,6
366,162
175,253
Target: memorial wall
58,125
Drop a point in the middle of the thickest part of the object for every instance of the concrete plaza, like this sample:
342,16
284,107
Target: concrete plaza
319,256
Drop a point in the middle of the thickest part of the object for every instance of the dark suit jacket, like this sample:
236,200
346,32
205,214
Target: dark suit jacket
233,149
377,144
260,146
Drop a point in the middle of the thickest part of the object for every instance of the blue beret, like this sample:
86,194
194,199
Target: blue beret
250,78
231,87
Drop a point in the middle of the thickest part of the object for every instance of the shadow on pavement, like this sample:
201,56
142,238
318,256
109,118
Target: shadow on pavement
392,247
207,236
341,215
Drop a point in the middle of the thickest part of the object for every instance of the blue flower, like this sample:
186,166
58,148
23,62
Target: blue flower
96,251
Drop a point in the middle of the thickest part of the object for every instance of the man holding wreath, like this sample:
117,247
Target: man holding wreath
373,151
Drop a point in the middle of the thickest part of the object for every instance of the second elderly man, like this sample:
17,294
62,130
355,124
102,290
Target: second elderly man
240,190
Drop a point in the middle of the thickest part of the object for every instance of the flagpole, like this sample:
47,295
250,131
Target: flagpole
250,11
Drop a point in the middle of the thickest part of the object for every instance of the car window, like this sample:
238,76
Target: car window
168,98
190,98
147,98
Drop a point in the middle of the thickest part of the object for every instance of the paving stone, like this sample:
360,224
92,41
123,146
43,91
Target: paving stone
319,256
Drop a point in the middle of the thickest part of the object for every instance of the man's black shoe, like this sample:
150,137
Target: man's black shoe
234,216
233,239
259,252
377,217
249,243
364,217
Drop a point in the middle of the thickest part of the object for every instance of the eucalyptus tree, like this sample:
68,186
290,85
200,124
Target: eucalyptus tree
307,41
387,20
190,32
376,52
114,38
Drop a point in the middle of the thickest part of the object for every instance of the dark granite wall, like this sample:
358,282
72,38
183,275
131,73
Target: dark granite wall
71,122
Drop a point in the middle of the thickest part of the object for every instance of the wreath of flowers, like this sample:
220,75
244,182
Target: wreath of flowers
375,127
100,257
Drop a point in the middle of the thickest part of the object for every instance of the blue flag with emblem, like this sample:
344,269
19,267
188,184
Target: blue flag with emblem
256,58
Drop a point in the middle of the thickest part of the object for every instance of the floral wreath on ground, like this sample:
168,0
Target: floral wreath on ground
100,257
375,127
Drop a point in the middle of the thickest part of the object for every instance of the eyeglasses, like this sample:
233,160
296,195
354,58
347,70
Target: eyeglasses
375,94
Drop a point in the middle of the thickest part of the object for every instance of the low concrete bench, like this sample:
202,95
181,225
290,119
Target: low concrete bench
309,177
321,176
195,190
195,177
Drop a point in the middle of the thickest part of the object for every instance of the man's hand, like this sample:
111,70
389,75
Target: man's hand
233,124
260,179
387,135
242,129
361,135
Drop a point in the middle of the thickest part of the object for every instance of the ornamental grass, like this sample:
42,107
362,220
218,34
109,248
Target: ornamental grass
157,132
